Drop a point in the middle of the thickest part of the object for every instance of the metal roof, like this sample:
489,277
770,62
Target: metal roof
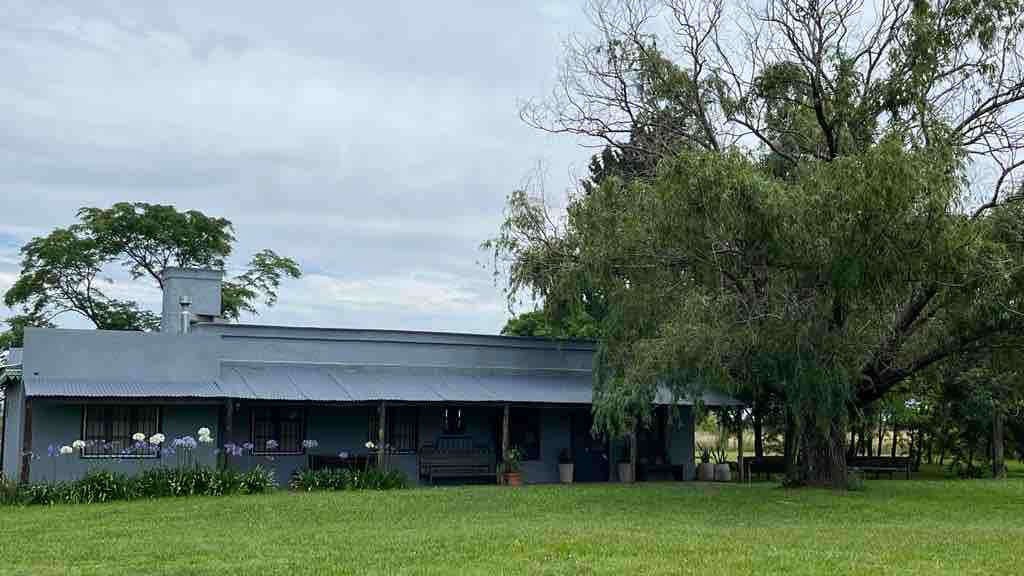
367,383
330,382
84,388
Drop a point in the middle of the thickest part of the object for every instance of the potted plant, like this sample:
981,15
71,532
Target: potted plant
509,468
705,470
722,472
565,466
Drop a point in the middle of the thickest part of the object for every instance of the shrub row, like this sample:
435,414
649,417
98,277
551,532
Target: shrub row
103,486
346,479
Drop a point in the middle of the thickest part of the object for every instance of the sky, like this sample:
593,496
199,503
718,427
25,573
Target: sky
374,142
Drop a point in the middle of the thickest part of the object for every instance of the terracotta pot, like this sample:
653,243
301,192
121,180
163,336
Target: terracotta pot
705,472
625,472
513,479
722,473
565,472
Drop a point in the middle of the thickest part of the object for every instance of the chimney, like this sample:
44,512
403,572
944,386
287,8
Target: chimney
190,295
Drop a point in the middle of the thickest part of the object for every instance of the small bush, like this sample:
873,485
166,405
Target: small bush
99,486
347,479
854,480
257,481
9,491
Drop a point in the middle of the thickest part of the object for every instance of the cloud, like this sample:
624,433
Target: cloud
373,143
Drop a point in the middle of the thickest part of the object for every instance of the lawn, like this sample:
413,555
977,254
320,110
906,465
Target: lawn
893,527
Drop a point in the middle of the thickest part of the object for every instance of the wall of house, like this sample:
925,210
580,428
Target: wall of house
14,404
346,428
59,423
680,442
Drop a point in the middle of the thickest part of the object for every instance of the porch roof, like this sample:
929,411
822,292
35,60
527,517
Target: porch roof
366,383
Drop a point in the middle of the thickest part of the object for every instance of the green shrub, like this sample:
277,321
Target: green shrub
258,480
9,491
99,486
346,479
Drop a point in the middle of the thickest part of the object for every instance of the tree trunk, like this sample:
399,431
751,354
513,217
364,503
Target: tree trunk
824,453
892,449
998,461
789,450
931,442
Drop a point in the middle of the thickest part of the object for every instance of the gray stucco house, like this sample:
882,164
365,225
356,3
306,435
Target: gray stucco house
340,387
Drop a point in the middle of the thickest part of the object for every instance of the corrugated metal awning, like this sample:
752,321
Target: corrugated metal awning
82,388
368,383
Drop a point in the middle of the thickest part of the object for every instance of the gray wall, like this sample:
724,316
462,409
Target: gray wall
119,356
345,428
60,423
13,426
680,442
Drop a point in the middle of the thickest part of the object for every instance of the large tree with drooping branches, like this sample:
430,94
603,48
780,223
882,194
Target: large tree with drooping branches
809,201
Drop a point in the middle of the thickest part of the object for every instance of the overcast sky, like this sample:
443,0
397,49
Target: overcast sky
374,142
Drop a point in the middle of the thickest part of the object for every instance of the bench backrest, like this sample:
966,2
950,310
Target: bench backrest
899,462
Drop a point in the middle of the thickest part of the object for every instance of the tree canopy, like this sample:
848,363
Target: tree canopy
62,272
788,205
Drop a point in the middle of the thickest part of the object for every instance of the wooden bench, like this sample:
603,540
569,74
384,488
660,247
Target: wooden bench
765,466
456,457
882,465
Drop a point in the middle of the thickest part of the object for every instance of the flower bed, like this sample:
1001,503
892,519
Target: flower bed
188,478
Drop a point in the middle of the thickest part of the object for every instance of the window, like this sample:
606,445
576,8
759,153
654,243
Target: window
524,431
452,421
403,433
108,430
283,425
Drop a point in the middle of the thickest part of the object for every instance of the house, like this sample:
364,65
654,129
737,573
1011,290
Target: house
427,394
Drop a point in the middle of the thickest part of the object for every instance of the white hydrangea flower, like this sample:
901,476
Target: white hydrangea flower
310,444
370,445
65,450
272,444
204,431
78,444
157,439
205,439
139,437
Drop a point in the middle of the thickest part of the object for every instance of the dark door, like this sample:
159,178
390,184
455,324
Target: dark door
590,454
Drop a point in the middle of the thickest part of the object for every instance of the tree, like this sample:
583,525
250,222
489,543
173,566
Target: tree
806,234
61,272
538,324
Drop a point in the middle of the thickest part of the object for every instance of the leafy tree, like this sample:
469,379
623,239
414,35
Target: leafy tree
810,232
61,272
538,324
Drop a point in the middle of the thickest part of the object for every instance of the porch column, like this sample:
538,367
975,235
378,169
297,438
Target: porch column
229,436
382,411
632,455
504,431
26,439
739,442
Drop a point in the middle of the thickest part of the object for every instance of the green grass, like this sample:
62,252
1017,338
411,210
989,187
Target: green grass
893,527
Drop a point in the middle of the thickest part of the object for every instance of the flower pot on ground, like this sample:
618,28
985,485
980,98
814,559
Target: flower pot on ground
626,472
509,467
566,468
705,470
722,472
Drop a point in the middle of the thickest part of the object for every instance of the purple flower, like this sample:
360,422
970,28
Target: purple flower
247,446
186,442
51,450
